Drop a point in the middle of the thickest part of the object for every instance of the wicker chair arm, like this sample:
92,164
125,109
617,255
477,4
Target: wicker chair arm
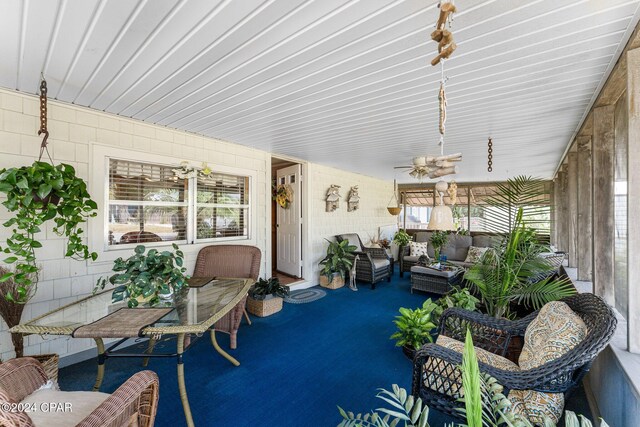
137,397
20,377
376,252
556,376
489,333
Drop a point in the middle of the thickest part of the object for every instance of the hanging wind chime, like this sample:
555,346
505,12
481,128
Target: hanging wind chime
442,165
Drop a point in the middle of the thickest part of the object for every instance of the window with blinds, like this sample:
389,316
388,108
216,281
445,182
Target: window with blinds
149,203
222,206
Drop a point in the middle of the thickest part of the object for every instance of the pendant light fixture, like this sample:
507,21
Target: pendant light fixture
441,215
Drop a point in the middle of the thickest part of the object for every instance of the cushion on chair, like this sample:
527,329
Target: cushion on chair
555,330
462,264
456,247
474,254
485,240
422,236
81,404
416,249
379,263
536,405
353,239
452,386
409,258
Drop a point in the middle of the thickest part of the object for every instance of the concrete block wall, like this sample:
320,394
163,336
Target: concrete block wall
73,129
372,214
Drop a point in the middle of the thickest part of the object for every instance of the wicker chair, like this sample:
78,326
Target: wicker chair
433,364
237,261
133,404
374,264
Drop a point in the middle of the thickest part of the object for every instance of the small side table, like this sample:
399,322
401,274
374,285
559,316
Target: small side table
432,280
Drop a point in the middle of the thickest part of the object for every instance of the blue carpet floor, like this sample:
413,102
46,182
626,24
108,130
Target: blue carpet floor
296,365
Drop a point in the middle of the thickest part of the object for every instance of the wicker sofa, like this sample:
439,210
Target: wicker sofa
456,249
436,374
373,265
133,404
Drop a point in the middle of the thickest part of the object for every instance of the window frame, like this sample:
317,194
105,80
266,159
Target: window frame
98,231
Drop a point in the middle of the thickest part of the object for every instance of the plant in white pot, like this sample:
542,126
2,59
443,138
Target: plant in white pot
266,297
336,263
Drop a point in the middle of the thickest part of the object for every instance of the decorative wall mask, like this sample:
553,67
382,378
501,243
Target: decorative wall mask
353,201
333,198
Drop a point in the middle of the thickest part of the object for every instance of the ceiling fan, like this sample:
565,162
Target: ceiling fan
433,166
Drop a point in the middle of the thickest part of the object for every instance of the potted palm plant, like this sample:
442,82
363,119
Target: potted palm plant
336,263
266,297
152,278
514,271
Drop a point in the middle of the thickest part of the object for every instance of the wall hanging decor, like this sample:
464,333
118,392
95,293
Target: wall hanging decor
353,200
333,198
442,165
283,195
186,171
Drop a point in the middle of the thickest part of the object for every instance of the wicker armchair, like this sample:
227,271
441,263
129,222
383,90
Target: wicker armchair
436,367
373,265
237,261
133,404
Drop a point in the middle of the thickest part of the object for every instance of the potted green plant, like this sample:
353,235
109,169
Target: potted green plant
37,194
336,263
152,278
514,271
438,240
266,297
415,328
402,239
11,311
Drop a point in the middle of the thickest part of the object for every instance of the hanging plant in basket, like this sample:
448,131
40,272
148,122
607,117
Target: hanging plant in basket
36,194
283,195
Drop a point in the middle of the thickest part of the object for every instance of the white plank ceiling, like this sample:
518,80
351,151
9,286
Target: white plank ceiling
345,83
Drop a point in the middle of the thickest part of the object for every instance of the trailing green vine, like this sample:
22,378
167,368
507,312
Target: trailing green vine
37,194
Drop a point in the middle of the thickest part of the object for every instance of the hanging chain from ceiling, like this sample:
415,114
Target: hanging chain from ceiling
490,156
43,120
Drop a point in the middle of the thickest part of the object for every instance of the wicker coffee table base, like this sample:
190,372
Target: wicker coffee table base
433,284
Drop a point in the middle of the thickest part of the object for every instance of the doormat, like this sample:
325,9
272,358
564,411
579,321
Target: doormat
303,296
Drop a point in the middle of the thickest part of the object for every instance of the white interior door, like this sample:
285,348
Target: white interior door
288,223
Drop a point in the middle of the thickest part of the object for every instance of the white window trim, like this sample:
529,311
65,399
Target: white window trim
99,185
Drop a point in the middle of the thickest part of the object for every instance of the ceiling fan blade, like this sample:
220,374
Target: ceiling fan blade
403,167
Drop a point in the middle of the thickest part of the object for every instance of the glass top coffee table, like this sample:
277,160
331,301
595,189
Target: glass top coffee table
193,312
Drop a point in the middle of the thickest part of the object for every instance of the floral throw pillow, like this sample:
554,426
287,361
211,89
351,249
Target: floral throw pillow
417,249
474,254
